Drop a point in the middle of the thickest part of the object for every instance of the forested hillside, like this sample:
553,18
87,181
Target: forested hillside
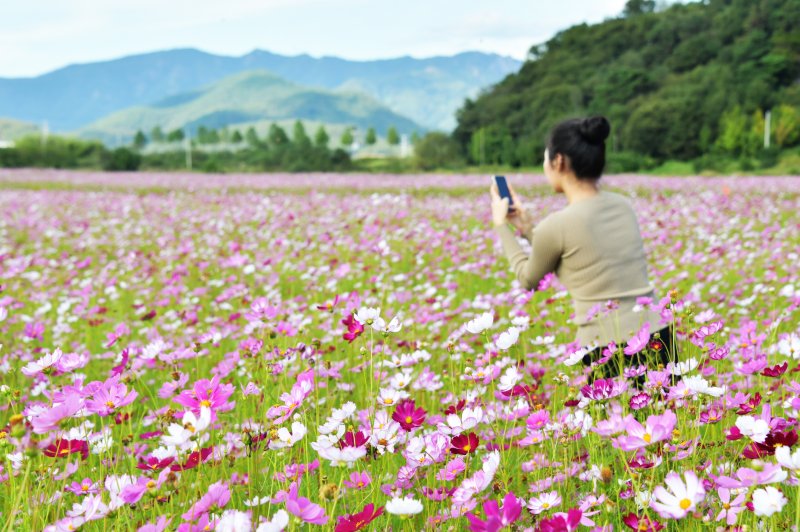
688,82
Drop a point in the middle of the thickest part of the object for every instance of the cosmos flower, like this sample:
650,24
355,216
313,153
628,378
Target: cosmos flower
495,517
768,501
544,502
657,428
357,521
403,506
408,416
681,498
481,323
209,394
464,443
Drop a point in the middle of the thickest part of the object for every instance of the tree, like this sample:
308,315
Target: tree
252,137
176,135
392,137
436,150
371,136
321,137
347,137
277,136
236,137
156,135
139,140
732,130
299,136
638,7
786,120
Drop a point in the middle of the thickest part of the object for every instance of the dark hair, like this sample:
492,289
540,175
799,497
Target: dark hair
582,141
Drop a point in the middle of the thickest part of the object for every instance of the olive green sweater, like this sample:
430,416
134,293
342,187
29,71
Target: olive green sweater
595,248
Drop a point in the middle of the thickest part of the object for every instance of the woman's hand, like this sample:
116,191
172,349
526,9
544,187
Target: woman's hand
499,207
519,217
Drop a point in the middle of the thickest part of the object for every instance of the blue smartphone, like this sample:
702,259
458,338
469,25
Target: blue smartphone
502,188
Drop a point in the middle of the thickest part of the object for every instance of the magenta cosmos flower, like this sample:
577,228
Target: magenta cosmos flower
408,415
495,517
656,429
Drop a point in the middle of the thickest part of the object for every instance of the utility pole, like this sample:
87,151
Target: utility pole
767,120
187,142
45,132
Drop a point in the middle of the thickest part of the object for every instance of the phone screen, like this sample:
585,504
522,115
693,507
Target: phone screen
502,188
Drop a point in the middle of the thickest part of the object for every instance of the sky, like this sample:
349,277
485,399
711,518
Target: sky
38,37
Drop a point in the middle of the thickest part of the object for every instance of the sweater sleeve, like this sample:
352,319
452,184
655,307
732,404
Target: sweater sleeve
546,248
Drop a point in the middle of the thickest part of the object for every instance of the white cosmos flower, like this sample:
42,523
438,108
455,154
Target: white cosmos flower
233,521
38,366
698,384
288,439
507,339
768,501
511,377
481,323
279,522
787,459
682,368
404,506
180,434
368,315
756,429
681,498
456,425
790,346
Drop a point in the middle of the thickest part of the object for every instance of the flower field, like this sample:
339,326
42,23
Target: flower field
352,353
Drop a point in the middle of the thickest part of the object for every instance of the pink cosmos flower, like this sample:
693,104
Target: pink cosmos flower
111,396
358,480
639,341
301,389
49,419
85,487
730,509
301,507
210,394
656,429
495,517
217,495
159,526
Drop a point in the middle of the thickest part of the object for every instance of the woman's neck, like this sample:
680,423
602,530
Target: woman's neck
576,190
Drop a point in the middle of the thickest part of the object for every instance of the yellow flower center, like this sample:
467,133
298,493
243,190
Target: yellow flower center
206,403
647,438
467,447
388,401
545,505
151,484
110,404
84,488
408,419
382,441
685,503
726,506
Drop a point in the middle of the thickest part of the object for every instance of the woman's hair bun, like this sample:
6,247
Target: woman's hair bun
595,129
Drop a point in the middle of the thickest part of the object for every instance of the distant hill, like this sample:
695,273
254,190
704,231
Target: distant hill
681,83
14,129
250,97
426,90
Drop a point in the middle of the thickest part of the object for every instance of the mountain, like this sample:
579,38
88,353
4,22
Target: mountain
14,129
250,97
679,83
426,90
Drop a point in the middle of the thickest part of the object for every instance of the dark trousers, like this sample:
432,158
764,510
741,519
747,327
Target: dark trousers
660,350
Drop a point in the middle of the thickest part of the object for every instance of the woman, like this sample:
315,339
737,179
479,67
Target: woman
593,245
